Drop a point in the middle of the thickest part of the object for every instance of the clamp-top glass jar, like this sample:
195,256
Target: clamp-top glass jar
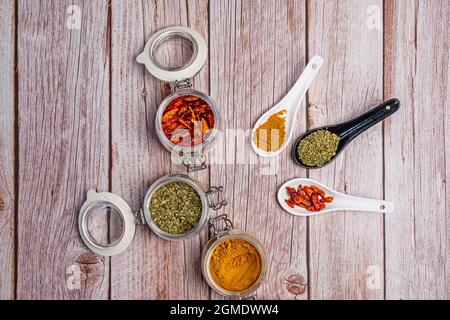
187,121
211,198
253,262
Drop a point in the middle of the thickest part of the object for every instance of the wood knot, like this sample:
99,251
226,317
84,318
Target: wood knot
88,258
2,205
316,115
296,284
91,266
143,94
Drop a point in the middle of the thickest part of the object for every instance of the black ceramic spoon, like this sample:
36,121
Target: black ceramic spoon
347,131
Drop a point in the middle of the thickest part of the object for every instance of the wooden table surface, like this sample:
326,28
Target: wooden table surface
77,112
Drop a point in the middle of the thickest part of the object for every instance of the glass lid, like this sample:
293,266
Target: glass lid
187,45
106,211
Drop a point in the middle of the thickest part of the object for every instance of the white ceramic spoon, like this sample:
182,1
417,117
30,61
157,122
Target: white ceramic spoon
291,102
341,202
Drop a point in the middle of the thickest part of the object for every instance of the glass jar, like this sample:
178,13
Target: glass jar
211,198
192,157
221,229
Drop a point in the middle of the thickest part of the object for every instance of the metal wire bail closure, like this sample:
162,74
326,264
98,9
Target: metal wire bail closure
193,66
216,198
220,225
194,162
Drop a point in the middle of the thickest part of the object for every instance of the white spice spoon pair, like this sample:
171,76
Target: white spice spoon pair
290,103
341,201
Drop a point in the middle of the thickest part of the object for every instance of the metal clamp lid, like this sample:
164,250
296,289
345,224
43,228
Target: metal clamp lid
225,225
216,198
129,217
194,162
195,64
180,85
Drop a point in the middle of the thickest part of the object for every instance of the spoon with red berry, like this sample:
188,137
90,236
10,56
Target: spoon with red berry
307,197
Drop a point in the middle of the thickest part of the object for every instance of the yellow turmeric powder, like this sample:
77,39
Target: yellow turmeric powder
235,264
270,135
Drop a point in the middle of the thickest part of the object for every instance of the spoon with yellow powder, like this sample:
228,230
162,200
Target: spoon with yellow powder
273,130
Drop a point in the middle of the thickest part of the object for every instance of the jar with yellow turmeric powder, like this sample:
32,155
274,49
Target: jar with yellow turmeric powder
233,261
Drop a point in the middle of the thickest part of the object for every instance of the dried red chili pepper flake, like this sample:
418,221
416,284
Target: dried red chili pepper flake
289,203
290,190
191,98
187,120
312,198
318,190
308,190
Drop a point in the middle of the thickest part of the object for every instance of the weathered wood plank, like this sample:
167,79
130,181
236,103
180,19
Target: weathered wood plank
257,53
7,138
195,287
344,247
152,268
417,149
63,146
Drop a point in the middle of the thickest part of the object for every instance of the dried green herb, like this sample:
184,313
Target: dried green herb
317,148
176,207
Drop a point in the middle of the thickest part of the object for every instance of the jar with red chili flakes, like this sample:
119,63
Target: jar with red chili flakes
187,121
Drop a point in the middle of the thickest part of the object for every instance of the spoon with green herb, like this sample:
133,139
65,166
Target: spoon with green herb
318,147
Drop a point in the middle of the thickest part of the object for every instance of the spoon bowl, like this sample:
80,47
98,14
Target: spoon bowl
341,201
347,131
290,103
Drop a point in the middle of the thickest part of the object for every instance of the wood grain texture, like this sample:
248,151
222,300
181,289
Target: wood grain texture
345,244
63,146
417,150
152,268
194,285
85,119
7,135
257,53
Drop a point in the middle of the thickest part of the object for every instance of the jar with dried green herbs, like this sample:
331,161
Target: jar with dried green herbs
176,207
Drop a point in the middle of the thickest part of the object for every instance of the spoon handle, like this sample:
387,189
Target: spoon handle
355,127
348,202
298,90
